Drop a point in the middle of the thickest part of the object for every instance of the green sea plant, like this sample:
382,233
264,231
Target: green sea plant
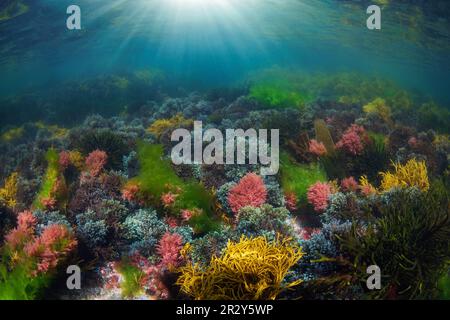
297,177
277,95
52,190
17,284
333,165
12,134
380,108
29,260
409,242
132,278
432,116
373,159
56,132
444,286
155,172
10,9
157,177
8,193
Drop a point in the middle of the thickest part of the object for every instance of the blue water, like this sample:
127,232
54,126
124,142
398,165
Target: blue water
218,42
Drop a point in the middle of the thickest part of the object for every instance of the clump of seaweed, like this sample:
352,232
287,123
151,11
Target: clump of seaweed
277,95
102,139
379,108
8,193
157,178
250,191
409,242
251,269
29,260
323,136
53,188
412,174
162,126
297,178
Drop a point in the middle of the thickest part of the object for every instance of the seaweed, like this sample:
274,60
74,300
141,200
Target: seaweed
409,242
18,285
115,146
323,135
53,183
297,177
132,277
277,95
245,271
444,286
156,177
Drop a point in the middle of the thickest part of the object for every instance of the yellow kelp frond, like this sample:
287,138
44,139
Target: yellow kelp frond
252,269
379,107
366,187
77,159
441,140
56,131
12,134
8,194
177,121
412,174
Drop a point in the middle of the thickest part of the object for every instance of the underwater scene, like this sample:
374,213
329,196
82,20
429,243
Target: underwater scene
224,150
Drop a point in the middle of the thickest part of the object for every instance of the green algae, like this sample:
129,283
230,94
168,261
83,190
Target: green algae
50,178
12,9
156,177
297,178
277,96
132,276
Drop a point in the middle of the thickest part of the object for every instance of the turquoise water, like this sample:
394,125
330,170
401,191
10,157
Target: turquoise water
218,42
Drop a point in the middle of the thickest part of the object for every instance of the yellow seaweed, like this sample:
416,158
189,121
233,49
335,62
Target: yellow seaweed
251,269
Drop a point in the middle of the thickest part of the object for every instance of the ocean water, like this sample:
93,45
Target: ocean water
217,42
86,117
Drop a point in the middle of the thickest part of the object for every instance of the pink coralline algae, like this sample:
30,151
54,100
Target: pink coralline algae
186,215
43,251
172,222
49,203
151,280
26,220
250,191
317,148
306,232
54,242
64,159
95,162
168,199
291,201
349,184
412,142
25,229
318,195
130,192
169,248
352,141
